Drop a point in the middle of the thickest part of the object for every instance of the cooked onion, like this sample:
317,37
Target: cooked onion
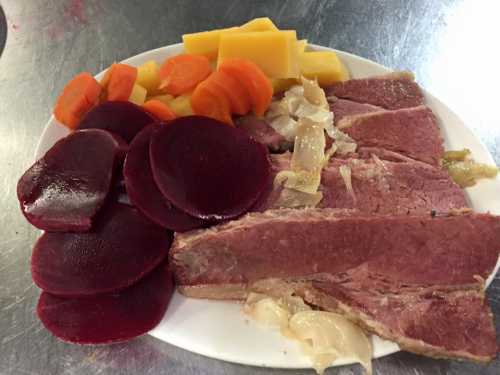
464,170
345,173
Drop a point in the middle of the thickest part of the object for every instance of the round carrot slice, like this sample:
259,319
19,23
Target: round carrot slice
121,82
233,89
159,109
210,101
181,73
255,81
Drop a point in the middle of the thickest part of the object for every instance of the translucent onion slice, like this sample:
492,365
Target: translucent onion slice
345,173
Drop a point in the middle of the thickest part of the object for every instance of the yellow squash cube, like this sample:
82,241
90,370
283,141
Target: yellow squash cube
207,42
325,66
138,95
148,77
283,84
259,24
181,105
275,52
301,45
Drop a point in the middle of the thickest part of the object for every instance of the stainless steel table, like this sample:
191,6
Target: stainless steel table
452,46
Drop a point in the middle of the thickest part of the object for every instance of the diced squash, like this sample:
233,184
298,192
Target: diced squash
165,99
181,105
207,42
259,24
325,66
301,45
283,84
138,95
147,76
275,52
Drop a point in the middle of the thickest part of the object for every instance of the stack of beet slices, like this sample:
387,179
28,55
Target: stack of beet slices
102,264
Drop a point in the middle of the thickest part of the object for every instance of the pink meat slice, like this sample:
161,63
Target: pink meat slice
121,248
342,108
413,132
391,91
65,189
109,318
143,192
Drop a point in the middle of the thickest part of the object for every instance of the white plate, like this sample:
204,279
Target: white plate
219,329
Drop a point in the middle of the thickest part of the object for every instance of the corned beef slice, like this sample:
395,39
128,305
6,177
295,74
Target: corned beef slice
391,91
410,250
260,130
382,187
413,132
343,108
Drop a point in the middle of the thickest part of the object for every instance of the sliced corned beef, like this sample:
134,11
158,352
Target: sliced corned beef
342,108
413,132
262,132
391,91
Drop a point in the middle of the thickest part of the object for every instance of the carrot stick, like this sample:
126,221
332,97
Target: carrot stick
255,81
120,81
181,73
77,98
159,109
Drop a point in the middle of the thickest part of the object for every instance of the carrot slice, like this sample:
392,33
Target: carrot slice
159,110
181,73
77,98
255,81
235,92
208,100
120,82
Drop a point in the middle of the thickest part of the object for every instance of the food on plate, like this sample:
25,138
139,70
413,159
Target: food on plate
355,224
121,247
343,108
148,76
390,91
413,132
65,189
118,82
464,170
275,52
77,98
143,192
259,24
256,84
324,66
208,169
371,256
108,318
159,109
180,74
398,187
123,118
324,336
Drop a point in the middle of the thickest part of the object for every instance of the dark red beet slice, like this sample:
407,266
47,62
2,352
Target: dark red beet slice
143,192
65,188
123,118
109,318
209,170
121,248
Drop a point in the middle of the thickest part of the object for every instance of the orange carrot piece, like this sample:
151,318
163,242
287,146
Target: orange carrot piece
255,81
235,92
121,81
77,98
180,74
208,100
159,109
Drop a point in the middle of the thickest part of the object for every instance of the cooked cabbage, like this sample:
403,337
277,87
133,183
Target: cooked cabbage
464,170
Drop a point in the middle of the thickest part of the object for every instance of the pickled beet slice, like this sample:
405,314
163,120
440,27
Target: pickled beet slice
121,248
123,118
109,318
143,192
66,188
208,169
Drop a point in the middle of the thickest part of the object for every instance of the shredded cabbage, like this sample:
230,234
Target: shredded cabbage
345,173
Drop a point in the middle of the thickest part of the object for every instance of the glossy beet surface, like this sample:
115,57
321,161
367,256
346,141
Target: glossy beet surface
208,169
123,118
122,247
65,188
143,192
109,318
